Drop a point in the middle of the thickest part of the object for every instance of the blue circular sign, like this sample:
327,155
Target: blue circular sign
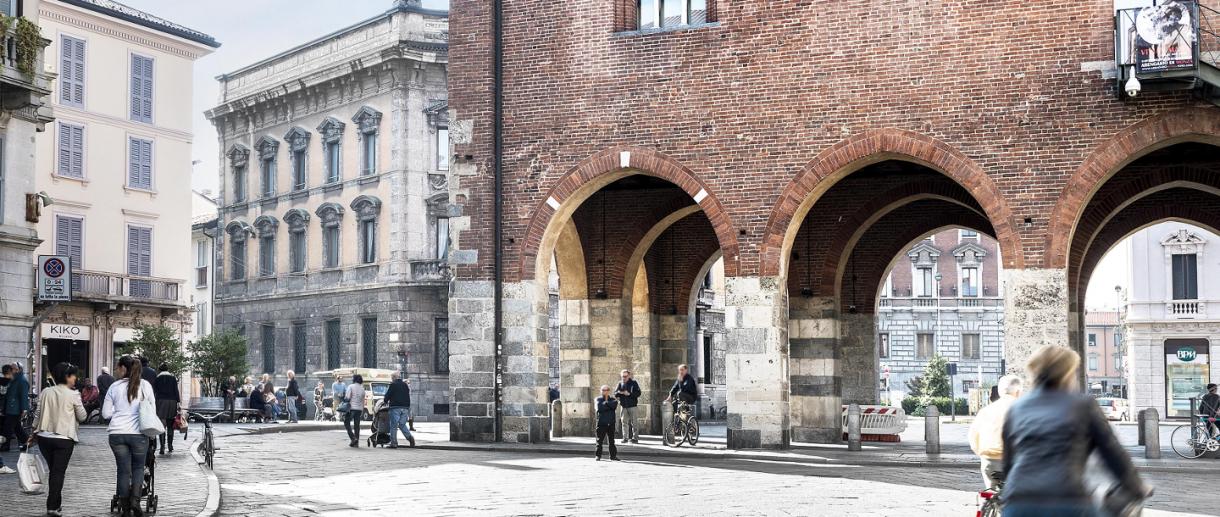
54,268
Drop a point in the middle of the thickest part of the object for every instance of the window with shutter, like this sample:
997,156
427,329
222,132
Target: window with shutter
1185,277
139,260
139,170
237,269
330,246
69,236
72,72
141,88
296,251
6,7
266,255
71,150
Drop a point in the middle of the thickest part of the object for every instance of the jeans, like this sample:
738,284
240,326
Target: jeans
1036,509
398,422
353,417
630,423
606,433
130,451
273,411
292,409
57,452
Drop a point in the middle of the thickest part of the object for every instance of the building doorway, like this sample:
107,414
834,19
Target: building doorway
64,350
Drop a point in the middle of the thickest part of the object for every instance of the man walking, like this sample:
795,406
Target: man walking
16,403
292,396
398,399
628,395
103,383
606,406
987,431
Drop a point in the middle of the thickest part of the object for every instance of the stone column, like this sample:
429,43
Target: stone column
757,362
1035,313
526,412
575,371
671,349
644,366
858,358
471,361
816,381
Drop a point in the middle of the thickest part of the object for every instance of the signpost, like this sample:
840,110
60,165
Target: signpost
54,278
951,368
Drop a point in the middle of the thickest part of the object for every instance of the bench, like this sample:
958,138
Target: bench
211,406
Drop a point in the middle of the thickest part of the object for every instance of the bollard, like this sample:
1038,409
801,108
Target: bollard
557,419
853,427
1139,419
1152,434
931,430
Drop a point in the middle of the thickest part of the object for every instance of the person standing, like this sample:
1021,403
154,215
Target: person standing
5,380
1049,435
319,393
292,397
228,390
169,401
398,399
147,373
103,382
130,447
987,432
60,412
16,403
628,395
606,407
355,409
338,392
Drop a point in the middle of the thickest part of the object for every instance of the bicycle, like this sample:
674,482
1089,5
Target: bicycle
1192,440
208,447
991,499
684,427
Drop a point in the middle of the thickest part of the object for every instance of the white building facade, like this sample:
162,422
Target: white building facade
1172,319
204,230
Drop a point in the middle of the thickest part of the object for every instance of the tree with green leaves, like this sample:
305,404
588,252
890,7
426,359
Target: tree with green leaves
218,356
160,345
936,377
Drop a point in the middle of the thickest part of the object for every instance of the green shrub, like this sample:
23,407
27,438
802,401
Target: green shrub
914,406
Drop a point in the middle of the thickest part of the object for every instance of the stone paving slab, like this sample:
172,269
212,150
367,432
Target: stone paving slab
181,486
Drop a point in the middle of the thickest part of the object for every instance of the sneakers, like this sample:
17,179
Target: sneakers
412,440
635,440
5,470
55,513
624,440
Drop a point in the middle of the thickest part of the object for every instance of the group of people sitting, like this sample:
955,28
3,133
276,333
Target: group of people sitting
264,399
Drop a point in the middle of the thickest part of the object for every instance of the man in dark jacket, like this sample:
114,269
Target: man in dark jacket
4,382
103,383
16,403
1210,405
228,390
147,373
398,399
685,389
628,395
293,397
165,390
606,406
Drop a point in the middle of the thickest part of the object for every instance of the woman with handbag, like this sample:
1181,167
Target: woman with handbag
354,402
60,412
129,440
165,387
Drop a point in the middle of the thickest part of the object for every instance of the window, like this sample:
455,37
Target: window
72,71
239,184
10,7
267,176
331,130
1092,363
368,241
201,319
330,246
883,345
298,347
671,13
442,238
332,162
967,234
139,163
333,338
139,260
968,385
368,338
441,339
202,257
71,150
925,281
141,88
970,281
367,121
1092,339
1118,362
442,148
369,162
298,170
298,145
69,239
237,259
970,346
925,346
268,348
1118,339
707,359
1185,277
296,250
266,254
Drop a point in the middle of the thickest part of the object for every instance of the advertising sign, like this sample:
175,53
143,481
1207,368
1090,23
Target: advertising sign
1160,38
58,331
54,279
1186,374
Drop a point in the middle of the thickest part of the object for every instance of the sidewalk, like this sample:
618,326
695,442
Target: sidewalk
182,488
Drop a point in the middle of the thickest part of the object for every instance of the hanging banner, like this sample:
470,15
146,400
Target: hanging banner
1159,38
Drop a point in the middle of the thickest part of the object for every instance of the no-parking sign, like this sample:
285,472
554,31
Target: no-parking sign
54,276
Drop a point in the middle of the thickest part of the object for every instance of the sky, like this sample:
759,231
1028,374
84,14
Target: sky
249,31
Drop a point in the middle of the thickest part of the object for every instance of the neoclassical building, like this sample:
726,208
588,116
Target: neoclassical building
334,203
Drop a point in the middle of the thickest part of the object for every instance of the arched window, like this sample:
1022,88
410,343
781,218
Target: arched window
332,148
266,227
239,232
267,149
298,149
366,209
239,158
331,217
368,120
298,223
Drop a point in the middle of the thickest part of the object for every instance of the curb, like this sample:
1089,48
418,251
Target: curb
289,429
212,507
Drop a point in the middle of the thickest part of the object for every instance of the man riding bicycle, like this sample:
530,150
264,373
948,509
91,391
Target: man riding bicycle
987,431
1209,405
685,389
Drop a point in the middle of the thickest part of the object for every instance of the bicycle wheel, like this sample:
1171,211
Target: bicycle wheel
692,432
208,449
667,435
1186,441
991,508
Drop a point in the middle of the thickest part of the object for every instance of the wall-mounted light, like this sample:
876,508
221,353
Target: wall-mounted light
34,204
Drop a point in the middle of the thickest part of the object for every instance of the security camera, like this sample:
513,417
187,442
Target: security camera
1133,86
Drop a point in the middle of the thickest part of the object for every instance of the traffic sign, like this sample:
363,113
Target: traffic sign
54,278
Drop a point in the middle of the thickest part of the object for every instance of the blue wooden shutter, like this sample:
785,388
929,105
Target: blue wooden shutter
139,251
141,88
68,239
64,166
139,163
77,156
72,71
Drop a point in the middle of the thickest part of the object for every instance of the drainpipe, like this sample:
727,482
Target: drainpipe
497,21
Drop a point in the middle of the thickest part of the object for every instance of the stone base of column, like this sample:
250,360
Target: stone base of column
757,364
1035,313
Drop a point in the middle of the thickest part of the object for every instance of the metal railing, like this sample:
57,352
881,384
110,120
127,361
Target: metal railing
113,286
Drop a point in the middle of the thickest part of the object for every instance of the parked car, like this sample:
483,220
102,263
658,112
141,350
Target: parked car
1114,408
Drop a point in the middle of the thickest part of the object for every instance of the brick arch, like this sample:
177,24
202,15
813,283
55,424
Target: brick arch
692,244
1185,125
640,245
601,169
847,156
629,232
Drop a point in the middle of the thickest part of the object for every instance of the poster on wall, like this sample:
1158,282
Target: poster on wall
1187,373
1160,38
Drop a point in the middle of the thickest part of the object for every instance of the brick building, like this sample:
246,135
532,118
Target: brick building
632,143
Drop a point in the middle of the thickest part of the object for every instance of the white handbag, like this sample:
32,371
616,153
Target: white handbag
150,425
32,472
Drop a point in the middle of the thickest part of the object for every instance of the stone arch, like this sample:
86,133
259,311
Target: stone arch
239,229
598,171
694,287
859,151
365,206
570,261
266,225
296,218
641,245
1185,125
329,212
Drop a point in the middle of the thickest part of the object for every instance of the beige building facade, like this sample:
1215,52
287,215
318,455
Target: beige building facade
334,204
117,168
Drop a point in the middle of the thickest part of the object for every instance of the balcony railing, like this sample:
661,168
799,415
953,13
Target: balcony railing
931,303
1185,308
436,270
11,54
95,285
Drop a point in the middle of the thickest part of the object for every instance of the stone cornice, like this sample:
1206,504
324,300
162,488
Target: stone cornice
96,23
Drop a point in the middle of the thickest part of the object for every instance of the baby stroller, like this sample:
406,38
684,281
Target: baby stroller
379,430
148,487
327,410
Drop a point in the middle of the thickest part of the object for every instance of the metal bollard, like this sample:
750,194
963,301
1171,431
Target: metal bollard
557,419
931,430
1152,434
1139,419
853,427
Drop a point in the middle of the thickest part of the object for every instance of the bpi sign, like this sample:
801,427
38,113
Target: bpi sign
54,278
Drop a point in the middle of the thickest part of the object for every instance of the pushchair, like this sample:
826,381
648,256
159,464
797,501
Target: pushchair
326,411
148,487
379,430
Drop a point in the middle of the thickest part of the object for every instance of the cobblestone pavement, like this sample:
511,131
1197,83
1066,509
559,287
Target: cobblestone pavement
181,486
315,473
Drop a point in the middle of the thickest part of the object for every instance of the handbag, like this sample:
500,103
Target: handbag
344,407
150,425
180,423
32,472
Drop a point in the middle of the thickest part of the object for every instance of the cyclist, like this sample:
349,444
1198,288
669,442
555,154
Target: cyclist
1210,406
685,389
987,431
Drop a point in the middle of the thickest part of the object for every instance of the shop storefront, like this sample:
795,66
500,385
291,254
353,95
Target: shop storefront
1187,373
64,344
